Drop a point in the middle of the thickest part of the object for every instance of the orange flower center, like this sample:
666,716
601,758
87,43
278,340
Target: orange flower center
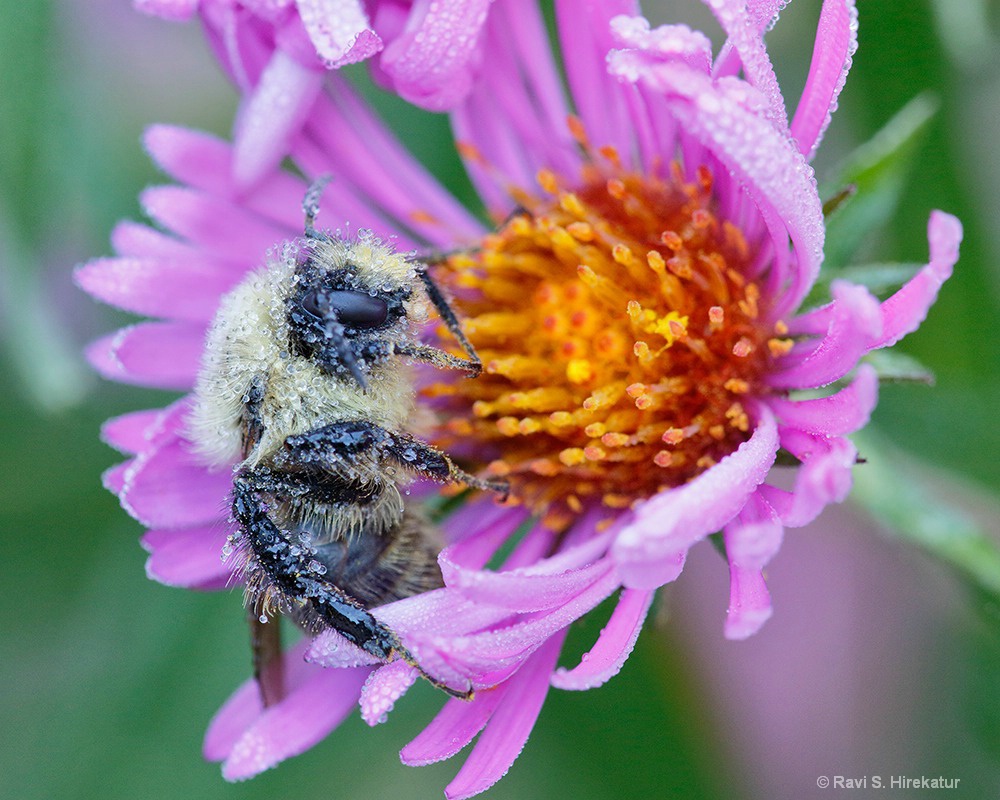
620,337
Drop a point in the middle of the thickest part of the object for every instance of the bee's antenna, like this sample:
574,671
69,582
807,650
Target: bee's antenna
310,204
335,333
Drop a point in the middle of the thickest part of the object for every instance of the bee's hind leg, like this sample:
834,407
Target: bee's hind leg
279,565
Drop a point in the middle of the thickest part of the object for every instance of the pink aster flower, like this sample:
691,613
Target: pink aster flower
640,318
278,51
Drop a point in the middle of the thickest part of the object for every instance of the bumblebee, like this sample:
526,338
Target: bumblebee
305,384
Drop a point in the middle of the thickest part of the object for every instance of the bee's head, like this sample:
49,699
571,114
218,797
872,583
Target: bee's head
346,307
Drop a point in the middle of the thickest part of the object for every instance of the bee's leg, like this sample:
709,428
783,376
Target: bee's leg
429,462
448,316
265,647
439,358
340,441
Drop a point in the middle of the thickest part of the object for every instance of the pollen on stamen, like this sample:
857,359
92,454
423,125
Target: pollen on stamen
610,152
581,231
780,347
743,347
663,458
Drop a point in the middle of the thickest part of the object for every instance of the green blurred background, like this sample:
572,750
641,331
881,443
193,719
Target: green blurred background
881,659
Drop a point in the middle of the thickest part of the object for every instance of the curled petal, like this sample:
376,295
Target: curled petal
856,321
823,478
431,63
749,603
751,541
836,43
746,38
489,656
906,309
333,650
605,659
772,171
650,549
667,42
339,30
520,590
841,413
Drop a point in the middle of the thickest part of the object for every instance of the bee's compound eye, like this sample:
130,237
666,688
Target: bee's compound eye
357,309
353,309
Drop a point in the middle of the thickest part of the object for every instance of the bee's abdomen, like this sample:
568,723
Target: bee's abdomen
380,568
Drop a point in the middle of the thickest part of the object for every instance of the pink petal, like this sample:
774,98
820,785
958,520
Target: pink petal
244,706
480,527
383,688
220,228
836,43
745,36
272,114
169,488
606,658
202,161
751,541
431,64
491,656
134,239
298,722
351,141
190,558
906,309
162,355
856,321
339,30
520,589
749,603
509,727
186,289
453,728
441,612
521,88
333,650
841,413
585,35
178,10
128,433
113,478
650,548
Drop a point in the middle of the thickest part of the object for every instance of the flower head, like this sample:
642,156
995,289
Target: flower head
639,314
